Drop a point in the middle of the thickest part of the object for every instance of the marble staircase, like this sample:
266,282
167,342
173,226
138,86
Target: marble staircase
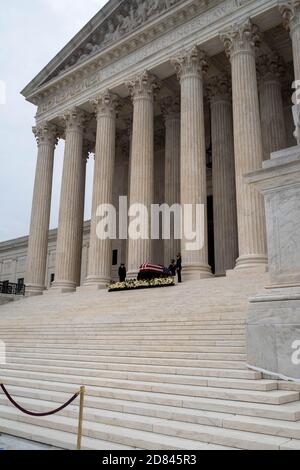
164,370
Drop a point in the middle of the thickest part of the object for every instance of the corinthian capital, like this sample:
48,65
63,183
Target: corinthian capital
192,62
75,119
219,88
170,107
143,86
290,11
270,66
46,134
106,104
242,37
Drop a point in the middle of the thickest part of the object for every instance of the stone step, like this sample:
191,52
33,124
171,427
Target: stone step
154,416
99,332
91,375
175,347
53,437
132,390
145,354
240,336
91,363
145,404
153,360
123,322
162,431
121,328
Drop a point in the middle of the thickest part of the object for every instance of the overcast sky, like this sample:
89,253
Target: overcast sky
32,32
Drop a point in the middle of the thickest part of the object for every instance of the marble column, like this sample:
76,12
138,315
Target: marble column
70,226
100,253
290,11
190,69
223,172
46,135
240,44
142,166
171,112
288,112
270,72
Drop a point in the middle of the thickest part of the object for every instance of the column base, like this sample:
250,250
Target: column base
252,263
93,283
196,272
34,290
62,287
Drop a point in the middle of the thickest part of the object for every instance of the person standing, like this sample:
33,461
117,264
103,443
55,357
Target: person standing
179,267
122,273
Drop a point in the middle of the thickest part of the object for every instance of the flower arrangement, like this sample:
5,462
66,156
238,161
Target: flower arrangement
134,284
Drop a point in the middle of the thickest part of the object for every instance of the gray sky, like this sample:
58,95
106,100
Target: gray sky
31,33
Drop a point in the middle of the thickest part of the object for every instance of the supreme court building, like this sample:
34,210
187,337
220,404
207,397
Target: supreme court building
176,100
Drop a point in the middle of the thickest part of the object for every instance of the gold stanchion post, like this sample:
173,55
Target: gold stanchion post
80,420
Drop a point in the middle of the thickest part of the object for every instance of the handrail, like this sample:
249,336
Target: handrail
10,288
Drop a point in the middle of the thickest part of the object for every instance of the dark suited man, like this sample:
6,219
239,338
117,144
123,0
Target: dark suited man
179,267
122,273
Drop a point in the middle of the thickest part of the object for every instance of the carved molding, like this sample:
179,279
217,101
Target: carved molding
46,134
192,62
86,81
241,37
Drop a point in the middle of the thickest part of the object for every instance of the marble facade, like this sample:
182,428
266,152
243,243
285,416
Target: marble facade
179,98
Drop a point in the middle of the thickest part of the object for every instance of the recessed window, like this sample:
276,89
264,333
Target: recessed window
115,258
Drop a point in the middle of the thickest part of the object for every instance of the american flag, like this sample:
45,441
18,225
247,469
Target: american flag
153,268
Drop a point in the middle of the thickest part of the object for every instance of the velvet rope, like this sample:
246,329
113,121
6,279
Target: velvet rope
20,408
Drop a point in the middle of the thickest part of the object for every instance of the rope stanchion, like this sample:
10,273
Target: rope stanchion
39,415
81,393
80,419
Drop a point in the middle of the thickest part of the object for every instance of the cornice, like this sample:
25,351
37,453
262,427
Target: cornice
200,28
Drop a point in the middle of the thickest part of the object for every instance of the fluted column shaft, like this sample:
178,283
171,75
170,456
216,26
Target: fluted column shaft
142,165
240,43
190,70
270,70
100,254
224,193
46,136
171,110
70,226
290,11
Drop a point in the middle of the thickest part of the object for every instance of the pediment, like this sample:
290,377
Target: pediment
116,20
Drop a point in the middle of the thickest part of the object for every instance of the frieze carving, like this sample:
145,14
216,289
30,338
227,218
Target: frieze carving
80,82
131,16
